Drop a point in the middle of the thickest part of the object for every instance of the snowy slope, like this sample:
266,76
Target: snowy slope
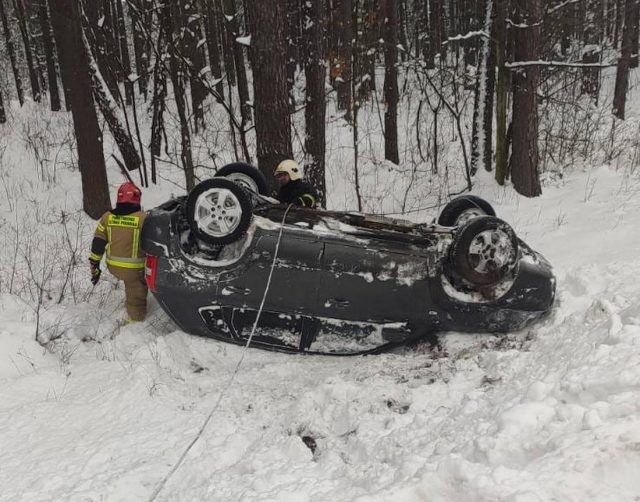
552,413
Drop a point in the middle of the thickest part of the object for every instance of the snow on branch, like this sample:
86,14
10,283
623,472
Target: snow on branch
522,64
522,25
551,10
471,34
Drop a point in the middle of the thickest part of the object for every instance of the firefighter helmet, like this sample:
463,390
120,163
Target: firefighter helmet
290,167
129,193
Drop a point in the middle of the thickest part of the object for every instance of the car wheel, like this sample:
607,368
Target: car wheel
484,251
219,211
461,209
245,175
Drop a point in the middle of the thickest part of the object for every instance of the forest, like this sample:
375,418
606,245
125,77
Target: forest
512,87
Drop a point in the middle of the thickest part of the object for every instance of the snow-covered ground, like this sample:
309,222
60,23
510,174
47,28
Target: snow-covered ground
552,413
103,413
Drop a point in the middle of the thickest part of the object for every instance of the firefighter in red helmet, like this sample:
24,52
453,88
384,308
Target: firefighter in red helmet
118,234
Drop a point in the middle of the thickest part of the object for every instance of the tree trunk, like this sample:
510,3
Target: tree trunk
102,38
592,38
11,49
213,46
109,28
26,40
110,111
401,29
371,36
624,62
67,30
635,26
269,61
176,72
125,60
502,90
227,48
483,106
524,164
158,101
194,54
341,67
139,17
436,31
47,41
230,14
314,112
3,115
293,40
391,81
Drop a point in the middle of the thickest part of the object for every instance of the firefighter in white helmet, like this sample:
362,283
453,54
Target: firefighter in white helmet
293,189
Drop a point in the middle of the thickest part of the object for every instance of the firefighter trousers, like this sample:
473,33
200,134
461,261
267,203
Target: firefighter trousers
135,290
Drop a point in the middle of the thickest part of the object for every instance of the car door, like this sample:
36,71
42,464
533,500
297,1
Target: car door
372,281
293,288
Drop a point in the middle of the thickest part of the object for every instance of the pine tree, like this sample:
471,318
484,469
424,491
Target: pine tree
270,90
74,66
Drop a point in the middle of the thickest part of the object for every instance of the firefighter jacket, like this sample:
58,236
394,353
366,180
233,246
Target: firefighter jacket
118,233
297,192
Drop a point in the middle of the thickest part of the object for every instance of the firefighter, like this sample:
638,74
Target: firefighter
118,233
293,189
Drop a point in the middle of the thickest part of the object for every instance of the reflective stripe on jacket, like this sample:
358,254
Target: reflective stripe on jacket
122,236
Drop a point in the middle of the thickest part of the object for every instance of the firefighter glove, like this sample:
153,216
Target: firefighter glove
95,271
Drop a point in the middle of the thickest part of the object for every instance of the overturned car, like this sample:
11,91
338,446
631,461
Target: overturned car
227,257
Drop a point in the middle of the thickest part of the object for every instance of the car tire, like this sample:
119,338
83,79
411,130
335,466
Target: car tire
461,209
484,251
245,175
219,211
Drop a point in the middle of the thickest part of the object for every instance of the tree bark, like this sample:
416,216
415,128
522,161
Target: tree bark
436,31
315,109
635,26
109,30
341,67
11,49
47,40
102,38
213,46
502,90
271,99
67,30
28,54
391,81
194,54
125,60
624,62
140,18
110,111
158,101
227,48
293,39
3,115
230,14
176,72
483,107
524,161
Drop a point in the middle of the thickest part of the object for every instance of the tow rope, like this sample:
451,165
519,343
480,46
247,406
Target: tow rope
177,465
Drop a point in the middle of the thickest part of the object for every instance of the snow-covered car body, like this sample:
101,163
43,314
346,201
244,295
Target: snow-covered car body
341,283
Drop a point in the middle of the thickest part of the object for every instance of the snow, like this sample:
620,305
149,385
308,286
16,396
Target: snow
551,413
244,40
